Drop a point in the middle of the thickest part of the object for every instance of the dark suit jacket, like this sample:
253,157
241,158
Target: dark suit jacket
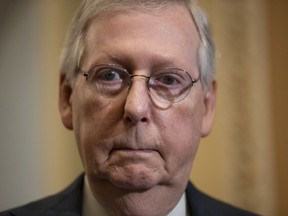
69,203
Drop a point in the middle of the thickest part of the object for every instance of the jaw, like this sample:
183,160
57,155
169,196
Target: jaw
118,201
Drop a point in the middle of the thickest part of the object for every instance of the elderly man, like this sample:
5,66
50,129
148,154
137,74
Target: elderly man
137,88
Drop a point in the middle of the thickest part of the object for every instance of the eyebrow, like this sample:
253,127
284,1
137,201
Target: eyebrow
157,61
115,57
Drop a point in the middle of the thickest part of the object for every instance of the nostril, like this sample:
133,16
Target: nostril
128,119
131,120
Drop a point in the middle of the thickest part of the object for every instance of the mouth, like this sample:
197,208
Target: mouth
132,151
133,148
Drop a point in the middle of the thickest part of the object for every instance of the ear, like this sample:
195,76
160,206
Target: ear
209,108
65,107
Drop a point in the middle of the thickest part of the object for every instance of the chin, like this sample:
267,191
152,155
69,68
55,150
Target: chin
135,181
136,184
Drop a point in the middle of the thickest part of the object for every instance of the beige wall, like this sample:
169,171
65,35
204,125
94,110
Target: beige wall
243,161
240,144
278,57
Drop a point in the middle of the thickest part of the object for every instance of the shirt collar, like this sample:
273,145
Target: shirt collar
90,206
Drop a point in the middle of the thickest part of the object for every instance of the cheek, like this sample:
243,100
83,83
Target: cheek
186,135
183,135
94,119
95,113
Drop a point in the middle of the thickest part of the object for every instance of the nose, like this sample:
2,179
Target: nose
137,103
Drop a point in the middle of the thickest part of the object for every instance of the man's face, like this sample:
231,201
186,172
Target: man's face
127,142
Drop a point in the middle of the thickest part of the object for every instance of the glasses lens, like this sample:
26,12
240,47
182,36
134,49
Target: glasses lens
107,80
170,85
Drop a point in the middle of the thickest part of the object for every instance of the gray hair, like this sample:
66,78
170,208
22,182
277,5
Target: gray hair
89,9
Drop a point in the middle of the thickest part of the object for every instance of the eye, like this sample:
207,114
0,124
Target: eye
108,74
104,77
168,78
108,80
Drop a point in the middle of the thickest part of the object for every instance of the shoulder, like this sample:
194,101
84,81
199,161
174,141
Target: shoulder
202,204
68,202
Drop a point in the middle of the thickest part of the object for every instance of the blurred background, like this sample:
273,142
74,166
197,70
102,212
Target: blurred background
243,162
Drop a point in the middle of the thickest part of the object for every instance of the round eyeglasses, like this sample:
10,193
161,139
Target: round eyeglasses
165,85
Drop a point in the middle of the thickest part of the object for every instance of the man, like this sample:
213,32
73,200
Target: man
137,87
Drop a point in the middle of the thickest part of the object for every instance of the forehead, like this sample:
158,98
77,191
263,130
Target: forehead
169,34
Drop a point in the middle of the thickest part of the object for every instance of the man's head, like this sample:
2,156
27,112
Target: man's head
137,151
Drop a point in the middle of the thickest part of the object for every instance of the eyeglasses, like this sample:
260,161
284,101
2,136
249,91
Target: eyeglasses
165,85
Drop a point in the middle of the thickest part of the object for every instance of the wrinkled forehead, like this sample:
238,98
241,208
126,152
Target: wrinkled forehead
111,9
167,31
102,8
